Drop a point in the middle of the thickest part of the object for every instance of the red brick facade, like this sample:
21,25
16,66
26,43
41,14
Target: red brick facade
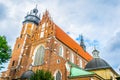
49,35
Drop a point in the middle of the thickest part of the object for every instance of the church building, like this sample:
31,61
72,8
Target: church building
44,45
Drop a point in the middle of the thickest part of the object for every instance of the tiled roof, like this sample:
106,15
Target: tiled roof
63,37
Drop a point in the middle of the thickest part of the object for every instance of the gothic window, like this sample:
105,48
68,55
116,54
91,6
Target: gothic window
80,63
39,56
72,57
58,76
61,51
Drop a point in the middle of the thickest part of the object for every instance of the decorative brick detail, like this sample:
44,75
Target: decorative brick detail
52,38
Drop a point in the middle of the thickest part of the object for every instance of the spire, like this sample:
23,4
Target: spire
95,53
32,16
82,42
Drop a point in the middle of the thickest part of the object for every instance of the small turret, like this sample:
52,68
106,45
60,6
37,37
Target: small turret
95,53
32,17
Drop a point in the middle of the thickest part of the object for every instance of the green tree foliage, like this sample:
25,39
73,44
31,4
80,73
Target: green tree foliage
42,75
5,51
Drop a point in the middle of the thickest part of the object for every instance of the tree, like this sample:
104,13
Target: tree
5,51
42,75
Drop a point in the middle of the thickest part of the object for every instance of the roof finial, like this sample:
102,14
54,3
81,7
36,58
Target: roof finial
36,6
94,47
35,10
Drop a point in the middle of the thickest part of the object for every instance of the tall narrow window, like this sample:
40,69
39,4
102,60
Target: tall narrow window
72,57
18,45
80,64
39,56
61,51
13,63
58,76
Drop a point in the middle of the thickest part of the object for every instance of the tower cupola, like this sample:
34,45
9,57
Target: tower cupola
95,53
96,62
32,16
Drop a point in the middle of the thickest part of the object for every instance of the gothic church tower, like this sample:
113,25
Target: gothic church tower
20,51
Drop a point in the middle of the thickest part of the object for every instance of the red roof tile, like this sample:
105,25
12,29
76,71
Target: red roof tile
63,37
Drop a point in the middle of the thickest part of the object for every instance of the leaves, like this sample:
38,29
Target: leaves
5,51
42,75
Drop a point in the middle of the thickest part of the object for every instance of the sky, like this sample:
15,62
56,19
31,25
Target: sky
96,20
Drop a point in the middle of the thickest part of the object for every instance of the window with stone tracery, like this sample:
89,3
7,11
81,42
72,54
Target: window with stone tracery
39,56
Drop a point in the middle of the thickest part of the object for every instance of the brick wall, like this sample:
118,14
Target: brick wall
28,42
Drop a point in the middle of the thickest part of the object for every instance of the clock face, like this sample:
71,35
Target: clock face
67,66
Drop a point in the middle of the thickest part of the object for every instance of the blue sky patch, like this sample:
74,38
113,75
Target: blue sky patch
3,12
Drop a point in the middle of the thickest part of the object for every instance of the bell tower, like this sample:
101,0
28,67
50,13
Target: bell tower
31,22
21,48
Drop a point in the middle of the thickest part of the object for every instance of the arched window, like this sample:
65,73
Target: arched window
39,56
72,57
80,63
58,76
61,51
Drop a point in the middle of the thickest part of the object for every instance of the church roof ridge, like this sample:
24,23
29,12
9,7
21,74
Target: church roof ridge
66,39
